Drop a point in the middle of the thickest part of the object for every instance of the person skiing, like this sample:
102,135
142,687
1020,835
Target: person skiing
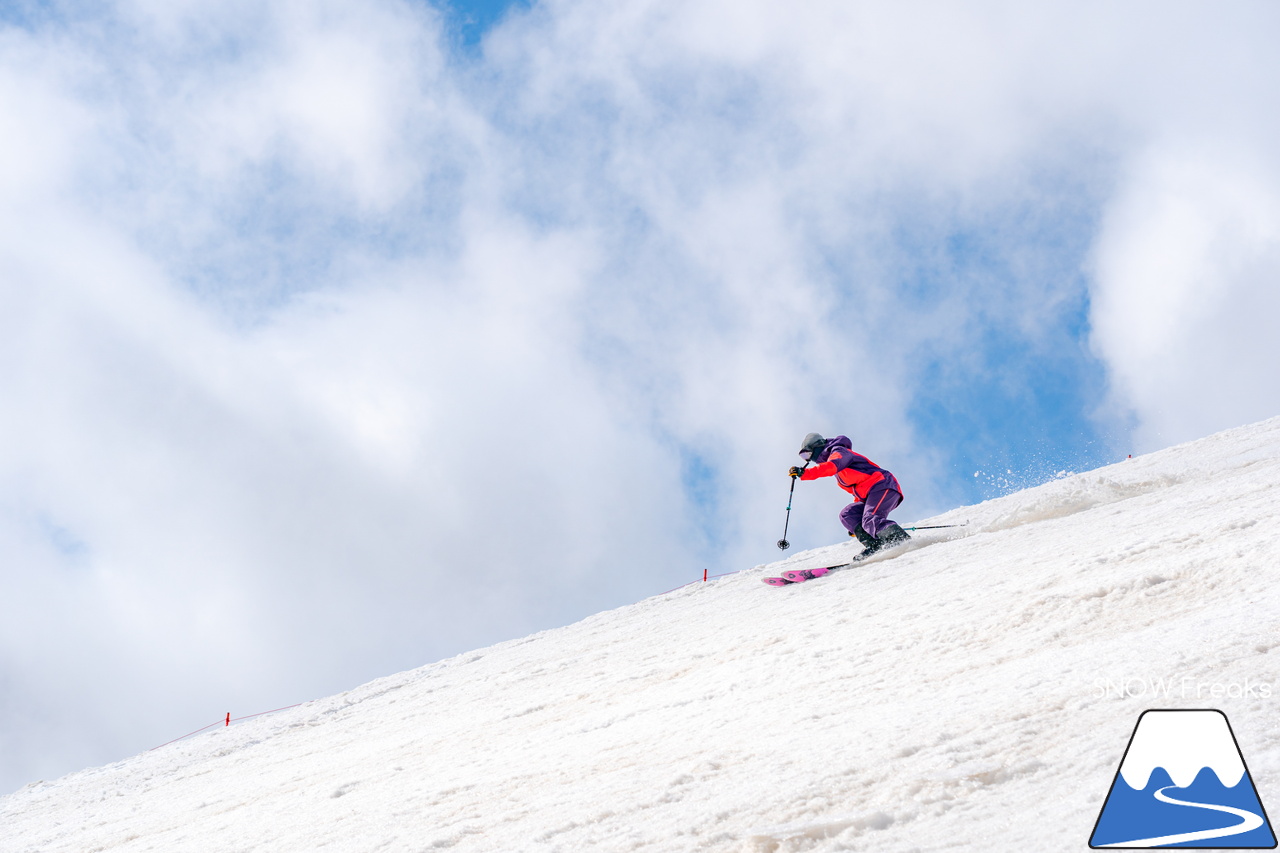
877,491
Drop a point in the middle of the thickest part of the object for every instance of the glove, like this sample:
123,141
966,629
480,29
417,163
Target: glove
795,471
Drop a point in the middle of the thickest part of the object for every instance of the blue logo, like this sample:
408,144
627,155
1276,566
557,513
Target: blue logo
1183,783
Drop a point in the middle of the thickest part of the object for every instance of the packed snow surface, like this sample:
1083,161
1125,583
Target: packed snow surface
966,693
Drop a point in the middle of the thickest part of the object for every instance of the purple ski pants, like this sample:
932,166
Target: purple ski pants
872,514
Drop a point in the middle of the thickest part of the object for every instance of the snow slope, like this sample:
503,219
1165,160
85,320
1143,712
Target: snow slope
975,693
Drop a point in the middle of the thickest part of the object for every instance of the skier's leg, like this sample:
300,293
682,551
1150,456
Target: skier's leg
851,518
882,500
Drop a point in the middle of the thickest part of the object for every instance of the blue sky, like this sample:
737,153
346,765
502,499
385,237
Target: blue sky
473,18
337,338
1018,405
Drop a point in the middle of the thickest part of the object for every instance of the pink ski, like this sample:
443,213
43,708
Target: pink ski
799,576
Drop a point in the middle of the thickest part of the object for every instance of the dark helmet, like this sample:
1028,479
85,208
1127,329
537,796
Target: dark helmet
813,443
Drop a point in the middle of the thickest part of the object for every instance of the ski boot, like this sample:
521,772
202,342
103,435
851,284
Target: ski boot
869,544
892,535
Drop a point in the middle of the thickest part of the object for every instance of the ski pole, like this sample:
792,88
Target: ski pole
936,526
783,543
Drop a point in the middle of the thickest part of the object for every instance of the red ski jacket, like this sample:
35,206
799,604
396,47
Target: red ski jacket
854,473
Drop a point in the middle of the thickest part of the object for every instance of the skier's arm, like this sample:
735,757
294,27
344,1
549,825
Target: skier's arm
826,469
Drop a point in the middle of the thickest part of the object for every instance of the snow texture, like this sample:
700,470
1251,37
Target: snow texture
965,693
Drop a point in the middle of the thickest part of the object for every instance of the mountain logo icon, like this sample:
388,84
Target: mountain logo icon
1183,783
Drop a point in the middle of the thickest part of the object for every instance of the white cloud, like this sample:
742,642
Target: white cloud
1187,267
1188,255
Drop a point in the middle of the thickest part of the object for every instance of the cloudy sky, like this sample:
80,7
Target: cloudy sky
337,337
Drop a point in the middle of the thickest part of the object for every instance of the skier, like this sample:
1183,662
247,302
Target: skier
877,490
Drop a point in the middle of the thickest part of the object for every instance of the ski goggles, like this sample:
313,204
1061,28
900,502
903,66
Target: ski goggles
806,455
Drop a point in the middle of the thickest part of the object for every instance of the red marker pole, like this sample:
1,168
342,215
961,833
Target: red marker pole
228,718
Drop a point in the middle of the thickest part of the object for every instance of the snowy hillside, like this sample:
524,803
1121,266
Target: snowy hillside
975,693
